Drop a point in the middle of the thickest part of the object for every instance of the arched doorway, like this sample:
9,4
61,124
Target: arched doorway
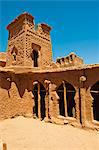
95,95
35,58
60,92
14,54
35,93
39,92
67,95
42,94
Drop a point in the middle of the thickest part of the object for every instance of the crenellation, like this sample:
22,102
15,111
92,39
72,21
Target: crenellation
70,60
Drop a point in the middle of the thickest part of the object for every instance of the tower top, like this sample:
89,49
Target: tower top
28,45
21,17
45,27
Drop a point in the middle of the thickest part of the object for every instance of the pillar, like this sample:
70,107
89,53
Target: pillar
89,106
47,106
82,96
77,101
53,101
47,97
83,114
39,102
65,100
86,109
50,102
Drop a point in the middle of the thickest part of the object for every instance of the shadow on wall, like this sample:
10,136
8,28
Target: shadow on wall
5,82
22,84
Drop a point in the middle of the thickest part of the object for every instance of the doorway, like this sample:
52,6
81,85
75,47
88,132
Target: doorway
42,100
35,58
70,93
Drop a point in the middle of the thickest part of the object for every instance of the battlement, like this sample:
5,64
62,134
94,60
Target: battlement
71,60
19,23
45,27
21,18
25,22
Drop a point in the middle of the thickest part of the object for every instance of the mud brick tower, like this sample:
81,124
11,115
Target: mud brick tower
28,45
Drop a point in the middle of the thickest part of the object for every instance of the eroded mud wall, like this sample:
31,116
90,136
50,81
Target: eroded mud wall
15,96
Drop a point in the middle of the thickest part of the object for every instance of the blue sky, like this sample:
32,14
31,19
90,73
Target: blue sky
75,25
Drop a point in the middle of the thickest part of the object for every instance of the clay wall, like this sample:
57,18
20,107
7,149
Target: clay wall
16,92
15,96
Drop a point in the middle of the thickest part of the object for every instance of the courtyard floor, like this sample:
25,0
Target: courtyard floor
30,134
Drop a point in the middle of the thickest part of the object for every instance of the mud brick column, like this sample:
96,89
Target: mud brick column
77,101
39,102
47,97
83,99
86,110
65,101
50,103
53,101
85,103
89,109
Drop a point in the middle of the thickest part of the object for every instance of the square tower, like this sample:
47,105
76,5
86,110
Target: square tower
27,45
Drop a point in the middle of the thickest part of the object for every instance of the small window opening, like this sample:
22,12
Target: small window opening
35,58
14,56
14,53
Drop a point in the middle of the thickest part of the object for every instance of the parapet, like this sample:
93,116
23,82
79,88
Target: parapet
45,27
25,22
19,23
71,60
43,30
21,18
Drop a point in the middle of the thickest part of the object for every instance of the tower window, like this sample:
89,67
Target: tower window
35,58
14,53
14,56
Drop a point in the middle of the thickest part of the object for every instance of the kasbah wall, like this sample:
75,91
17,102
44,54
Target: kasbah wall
32,85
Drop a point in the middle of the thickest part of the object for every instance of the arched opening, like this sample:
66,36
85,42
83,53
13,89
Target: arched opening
35,58
95,95
35,93
60,92
69,97
14,53
42,94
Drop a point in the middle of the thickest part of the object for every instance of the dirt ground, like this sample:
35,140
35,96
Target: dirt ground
30,134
